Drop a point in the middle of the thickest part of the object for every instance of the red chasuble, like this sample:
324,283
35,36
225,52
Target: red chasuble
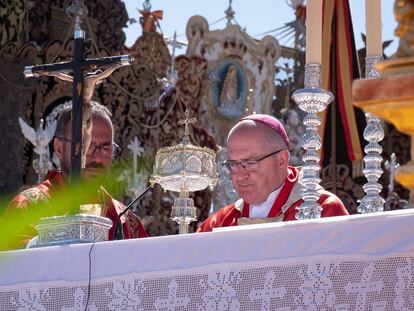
55,181
285,203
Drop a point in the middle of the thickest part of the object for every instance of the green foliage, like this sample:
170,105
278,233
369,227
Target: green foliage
18,224
122,171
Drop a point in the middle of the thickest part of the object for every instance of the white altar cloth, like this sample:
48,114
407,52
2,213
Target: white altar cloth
359,262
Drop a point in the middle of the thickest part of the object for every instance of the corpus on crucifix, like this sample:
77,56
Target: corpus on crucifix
85,75
90,80
186,122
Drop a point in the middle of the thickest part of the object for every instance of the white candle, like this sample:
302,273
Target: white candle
373,27
314,31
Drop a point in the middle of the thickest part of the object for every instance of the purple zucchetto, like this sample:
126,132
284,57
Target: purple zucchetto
271,122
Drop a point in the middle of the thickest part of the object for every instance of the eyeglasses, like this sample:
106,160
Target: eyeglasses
250,165
106,149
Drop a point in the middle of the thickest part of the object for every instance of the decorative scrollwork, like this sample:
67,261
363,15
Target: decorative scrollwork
192,72
151,50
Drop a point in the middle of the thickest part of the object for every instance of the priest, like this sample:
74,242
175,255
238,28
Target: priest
269,188
98,161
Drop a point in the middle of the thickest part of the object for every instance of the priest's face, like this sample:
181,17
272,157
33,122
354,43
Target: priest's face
99,155
255,179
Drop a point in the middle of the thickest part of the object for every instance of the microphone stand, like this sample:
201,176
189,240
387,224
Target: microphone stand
119,231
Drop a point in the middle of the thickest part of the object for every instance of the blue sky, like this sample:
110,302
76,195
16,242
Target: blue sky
257,17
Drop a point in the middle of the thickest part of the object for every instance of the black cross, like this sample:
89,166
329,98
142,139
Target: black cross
77,66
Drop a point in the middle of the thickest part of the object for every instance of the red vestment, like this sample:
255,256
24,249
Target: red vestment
55,181
285,203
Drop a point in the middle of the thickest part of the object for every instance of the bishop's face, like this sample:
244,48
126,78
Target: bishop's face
255,186
99,155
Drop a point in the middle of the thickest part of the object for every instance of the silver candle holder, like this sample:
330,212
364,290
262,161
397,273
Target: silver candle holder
312,99
373,133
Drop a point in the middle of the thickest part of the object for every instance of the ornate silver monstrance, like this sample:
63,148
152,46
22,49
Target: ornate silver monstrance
184,168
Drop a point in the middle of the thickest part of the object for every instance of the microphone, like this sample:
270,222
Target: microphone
119,231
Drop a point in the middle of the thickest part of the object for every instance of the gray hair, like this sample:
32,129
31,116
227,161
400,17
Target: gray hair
65,116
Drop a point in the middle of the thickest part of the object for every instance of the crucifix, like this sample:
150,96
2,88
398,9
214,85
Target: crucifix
175,44
85,75
229,13
135,147
391,165
186,121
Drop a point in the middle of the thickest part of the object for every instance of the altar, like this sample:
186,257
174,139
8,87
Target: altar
358,262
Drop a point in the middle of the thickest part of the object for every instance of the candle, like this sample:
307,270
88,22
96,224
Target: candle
373,27
314,31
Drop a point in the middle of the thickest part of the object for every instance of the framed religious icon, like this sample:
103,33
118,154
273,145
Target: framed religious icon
229,89
241,74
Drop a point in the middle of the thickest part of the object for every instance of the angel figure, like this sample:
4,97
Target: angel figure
91,79
40,139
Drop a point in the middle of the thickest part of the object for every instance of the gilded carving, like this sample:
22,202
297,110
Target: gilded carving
151,50
404,14
12,22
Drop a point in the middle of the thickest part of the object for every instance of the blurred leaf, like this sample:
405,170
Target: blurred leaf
18,224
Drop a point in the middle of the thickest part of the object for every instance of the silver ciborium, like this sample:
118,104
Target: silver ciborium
184,168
